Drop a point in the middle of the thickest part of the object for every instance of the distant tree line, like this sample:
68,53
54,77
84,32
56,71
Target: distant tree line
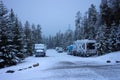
102,26
59,40
16,39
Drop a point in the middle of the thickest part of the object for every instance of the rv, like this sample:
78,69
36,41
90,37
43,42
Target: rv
40,50
85,47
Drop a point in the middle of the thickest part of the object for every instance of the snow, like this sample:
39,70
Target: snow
60,66
1,60
39,46
113,57
85,41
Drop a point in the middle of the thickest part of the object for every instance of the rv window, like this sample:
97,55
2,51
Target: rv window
90,45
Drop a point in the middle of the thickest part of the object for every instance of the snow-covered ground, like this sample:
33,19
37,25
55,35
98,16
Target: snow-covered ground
60,66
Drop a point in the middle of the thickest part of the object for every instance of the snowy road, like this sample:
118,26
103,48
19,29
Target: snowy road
60,66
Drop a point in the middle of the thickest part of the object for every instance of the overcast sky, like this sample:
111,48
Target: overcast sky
52,15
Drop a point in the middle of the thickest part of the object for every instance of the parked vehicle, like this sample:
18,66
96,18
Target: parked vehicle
40,50
59,49
84,47
70,50
56,48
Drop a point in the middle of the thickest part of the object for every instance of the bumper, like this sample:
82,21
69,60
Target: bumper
41,54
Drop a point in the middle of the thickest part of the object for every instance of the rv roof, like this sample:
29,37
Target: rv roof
85,41
39,45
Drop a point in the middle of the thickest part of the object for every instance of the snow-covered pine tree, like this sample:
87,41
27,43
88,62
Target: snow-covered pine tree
33,34
106,14
69,35
58,39
28,39
15,36
85,26
115,7
38,34
118,38
110,25
78,30
63,40
50,42
92,19
18,39
104,33
5,36
3,26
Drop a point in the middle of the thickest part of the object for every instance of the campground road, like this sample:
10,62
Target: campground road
83,72
80,70
60,66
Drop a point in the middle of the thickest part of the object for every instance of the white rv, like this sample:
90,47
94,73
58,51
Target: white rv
40,50
85,47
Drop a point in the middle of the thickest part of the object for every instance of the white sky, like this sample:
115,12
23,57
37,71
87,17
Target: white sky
52,15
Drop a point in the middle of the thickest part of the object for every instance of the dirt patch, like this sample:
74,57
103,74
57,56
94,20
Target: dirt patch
65,63
79,66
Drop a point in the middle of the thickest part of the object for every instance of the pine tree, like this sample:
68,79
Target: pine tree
34,34
68,37
115,7
109,41
38,34
104,33
18,39
51,42
15,38
106,14
92,19
78,31
28,39
7,22
3,26
85,26
16,29
4,34
58,39
118,39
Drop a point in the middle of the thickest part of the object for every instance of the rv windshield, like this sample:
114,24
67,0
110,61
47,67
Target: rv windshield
90,45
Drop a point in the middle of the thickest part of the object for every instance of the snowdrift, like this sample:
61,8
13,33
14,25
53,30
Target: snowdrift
113,57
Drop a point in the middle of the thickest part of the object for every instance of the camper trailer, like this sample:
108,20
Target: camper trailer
40,50
85,47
